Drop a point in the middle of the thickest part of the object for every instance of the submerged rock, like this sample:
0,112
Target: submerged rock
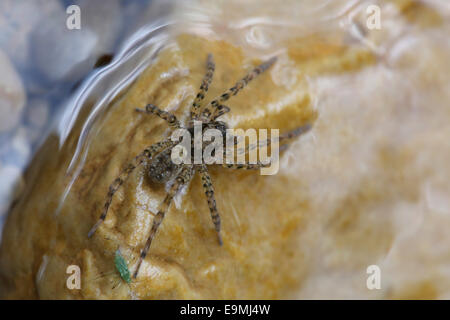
62,54
368,186
94,14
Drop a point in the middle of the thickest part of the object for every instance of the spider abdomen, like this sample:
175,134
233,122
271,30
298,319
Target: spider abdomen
161,169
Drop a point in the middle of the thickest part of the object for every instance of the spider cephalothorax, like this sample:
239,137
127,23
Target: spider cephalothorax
162,168
157,157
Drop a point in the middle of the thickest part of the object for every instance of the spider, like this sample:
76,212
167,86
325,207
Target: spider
160,168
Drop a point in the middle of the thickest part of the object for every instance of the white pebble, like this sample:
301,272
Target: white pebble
37,113
60,53
21,146
12,95
94,14
11,178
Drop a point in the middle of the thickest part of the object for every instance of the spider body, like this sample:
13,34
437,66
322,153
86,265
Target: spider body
162,169
157,157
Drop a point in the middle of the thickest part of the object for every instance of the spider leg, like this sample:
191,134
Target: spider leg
206,81
167,116
283,138
282,147
209,192
138,160
246,166
183,178
216,103
295,133
219,111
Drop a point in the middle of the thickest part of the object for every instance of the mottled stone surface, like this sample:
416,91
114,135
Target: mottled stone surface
369,185
17,21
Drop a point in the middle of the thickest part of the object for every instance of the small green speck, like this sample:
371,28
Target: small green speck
122,267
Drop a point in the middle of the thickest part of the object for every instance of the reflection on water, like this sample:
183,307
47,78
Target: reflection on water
51,82
50,69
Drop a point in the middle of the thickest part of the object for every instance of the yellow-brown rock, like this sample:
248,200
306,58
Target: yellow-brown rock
367,186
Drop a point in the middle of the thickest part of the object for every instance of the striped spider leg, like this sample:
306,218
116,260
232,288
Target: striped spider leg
182,179
195,108
283,145
209,193
215,108
148,153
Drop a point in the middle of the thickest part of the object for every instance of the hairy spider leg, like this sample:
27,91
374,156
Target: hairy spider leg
246,166
206,81
183,178
148,153
209,192
208,111
282,139
171,120
219,111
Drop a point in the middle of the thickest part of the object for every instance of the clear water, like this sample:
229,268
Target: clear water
146,27
259,27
